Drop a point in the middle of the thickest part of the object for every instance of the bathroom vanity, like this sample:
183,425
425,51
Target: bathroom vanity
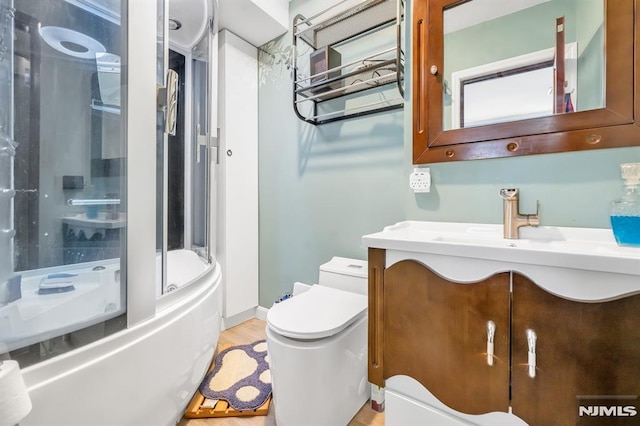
466,327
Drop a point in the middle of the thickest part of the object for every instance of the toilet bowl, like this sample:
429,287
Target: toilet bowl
317,343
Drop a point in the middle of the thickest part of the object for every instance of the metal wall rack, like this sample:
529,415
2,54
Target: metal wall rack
339,26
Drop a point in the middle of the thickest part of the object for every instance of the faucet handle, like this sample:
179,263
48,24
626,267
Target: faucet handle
534,219
509,193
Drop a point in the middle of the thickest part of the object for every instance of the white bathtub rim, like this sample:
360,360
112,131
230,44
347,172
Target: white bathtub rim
113,263
190,297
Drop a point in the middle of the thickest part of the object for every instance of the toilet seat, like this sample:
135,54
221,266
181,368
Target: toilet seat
317,313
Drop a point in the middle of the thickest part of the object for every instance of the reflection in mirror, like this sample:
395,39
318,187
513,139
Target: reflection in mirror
500,61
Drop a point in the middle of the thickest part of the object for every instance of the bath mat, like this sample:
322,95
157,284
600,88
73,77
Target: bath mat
240,376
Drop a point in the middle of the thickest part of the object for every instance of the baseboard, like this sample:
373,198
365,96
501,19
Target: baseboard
232,321
258,312
261,313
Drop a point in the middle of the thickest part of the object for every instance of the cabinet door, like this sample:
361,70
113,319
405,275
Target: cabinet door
435,331
582,350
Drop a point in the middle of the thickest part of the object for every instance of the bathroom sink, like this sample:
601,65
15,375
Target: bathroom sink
553,255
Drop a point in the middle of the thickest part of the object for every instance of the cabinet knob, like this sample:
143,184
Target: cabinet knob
433,70
594,139
491,333
531,358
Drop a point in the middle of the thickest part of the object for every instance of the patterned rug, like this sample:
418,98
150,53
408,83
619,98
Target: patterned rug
241,376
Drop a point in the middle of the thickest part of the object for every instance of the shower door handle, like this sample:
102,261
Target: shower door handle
210,143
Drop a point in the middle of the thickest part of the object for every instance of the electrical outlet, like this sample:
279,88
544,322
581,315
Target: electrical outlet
420,180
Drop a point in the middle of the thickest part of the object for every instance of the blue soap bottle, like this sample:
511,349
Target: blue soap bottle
625,212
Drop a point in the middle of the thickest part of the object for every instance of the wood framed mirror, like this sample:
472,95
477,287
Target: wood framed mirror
592,95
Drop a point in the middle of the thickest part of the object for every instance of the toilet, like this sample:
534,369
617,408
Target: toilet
317,342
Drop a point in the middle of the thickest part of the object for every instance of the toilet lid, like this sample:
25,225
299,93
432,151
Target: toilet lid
318,312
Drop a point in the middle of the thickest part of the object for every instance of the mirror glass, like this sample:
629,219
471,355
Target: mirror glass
500,60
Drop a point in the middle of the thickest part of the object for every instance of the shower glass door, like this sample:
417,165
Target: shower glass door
184,158
63,210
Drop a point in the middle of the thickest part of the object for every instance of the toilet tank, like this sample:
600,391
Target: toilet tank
345,274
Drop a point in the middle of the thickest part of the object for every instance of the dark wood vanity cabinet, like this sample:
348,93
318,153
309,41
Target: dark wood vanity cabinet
435,331
615,124
583,349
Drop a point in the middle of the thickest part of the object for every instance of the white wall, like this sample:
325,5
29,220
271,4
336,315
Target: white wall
238,173
256,21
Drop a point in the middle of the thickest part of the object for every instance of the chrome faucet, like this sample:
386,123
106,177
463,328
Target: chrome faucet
512,219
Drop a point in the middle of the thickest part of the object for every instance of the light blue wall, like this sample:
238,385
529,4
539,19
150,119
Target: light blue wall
322,188
531,30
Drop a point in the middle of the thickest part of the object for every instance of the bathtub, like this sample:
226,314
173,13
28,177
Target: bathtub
143,375
94,298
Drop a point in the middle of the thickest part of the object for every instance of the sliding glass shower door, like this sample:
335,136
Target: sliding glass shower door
63,210
187,156
81,256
